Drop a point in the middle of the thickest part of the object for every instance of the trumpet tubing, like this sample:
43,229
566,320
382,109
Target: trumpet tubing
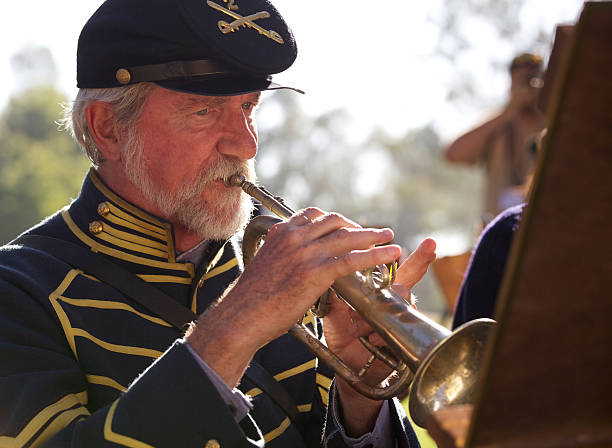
440,366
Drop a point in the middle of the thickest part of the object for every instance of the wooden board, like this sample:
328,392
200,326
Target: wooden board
560,50
547,380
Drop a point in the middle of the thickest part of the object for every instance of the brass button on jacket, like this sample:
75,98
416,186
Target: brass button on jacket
103,209
96,227
212,443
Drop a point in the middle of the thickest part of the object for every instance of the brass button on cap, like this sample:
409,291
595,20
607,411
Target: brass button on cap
96,227
103,209
212,443
123,76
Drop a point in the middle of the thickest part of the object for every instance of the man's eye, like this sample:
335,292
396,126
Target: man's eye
202,112
247,106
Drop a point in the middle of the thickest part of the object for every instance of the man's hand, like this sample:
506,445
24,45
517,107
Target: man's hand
343,327
414,268
299,260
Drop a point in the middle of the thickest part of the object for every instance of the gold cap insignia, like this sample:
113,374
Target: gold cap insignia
243,21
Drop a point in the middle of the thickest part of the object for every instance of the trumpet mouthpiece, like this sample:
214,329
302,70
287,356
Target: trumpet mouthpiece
235,180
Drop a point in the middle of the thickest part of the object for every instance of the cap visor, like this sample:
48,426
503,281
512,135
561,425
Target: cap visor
225,86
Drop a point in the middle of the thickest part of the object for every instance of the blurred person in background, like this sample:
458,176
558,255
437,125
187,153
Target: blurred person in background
480,287
505,144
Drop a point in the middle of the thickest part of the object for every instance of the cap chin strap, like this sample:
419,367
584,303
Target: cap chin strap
172,70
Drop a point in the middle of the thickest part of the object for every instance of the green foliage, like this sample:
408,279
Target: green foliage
41,167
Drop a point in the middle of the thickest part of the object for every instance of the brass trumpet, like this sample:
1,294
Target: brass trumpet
445,365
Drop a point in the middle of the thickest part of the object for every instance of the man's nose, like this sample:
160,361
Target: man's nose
239,137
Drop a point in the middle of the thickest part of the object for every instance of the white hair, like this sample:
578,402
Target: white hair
127,103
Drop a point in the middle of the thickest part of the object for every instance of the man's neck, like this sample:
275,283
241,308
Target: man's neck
185,239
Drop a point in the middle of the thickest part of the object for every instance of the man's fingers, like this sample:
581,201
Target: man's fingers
405,292
358,326
305,216
329,241
416,265
336,231
344,240
358,260
328,223
377,340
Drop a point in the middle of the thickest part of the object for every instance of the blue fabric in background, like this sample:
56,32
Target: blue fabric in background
478,293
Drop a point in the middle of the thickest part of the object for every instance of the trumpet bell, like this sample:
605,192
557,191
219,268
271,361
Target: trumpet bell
449,374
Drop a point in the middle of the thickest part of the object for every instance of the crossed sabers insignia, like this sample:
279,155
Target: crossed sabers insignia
244,21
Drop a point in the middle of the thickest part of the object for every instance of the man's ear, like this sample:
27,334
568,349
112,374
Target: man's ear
101,121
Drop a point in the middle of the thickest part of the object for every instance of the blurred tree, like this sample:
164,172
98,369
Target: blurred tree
33,66
479,38
41,167
304,158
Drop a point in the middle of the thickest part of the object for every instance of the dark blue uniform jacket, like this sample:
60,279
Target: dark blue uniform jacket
83,366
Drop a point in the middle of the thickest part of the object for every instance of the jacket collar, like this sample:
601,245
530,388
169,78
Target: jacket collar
109,224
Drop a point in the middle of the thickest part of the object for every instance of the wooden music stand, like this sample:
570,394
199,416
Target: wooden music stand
563,40
547,377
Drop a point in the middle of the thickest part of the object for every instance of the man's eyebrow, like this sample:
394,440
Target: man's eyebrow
210,101
194,103
255,97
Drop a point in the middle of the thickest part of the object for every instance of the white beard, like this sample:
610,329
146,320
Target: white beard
219,220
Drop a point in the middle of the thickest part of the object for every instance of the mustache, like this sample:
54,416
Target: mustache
226,167
222,168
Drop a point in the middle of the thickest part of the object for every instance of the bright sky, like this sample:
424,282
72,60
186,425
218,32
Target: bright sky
374,58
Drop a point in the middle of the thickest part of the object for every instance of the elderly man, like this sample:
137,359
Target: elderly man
94,301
